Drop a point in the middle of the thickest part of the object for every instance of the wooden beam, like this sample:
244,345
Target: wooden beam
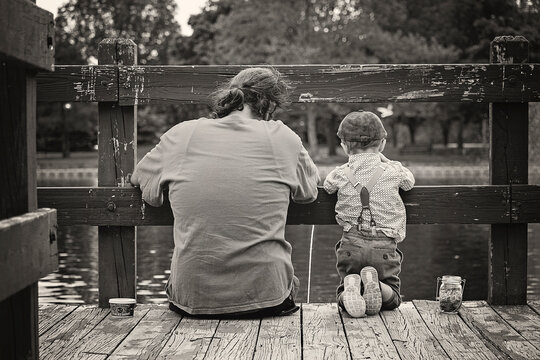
117,139
508,164
424,204
26,34
28,250
354,83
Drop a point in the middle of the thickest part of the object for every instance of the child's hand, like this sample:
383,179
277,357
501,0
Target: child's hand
384,159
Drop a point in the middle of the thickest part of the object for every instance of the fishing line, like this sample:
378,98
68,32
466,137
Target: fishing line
309,266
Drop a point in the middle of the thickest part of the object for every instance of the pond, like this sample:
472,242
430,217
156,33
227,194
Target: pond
429,251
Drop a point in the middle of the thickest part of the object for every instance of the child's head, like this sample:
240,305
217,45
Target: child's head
362,131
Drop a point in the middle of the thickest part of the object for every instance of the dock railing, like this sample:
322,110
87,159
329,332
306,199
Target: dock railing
118,85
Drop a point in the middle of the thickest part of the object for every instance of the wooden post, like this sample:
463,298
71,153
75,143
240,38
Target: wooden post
117,143
508,163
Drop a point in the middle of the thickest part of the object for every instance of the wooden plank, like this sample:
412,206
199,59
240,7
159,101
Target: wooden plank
27,250
61,340
26,34
117,139
410,334
107,335
523,319
280,337
509,126
149,337
494,329
234,340
323,333
190,339
368,338
455,337
535,305
424,205
50,314
355,83
81,83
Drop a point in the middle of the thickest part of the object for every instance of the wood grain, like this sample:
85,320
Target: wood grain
190,339
63,339
108,334
455,337
27,250
234,340
323,333
410,334
279,338
336,83
26,34
508,164
523,319
147,340
501,335
50,314
424,205
368,338
117,140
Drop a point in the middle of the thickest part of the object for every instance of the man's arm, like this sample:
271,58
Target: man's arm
308,178
148,174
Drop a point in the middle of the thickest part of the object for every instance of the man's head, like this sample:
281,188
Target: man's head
361,131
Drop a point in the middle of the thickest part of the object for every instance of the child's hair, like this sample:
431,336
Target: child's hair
263,89
362,145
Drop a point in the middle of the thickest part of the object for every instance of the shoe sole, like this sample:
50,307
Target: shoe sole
352,299
372,290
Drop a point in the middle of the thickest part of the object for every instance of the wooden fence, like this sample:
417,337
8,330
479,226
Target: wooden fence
118,84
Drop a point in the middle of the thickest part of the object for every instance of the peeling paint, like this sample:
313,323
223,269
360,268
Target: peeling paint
411,95
142,209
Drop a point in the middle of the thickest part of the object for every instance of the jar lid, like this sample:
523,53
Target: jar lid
451,278
122,301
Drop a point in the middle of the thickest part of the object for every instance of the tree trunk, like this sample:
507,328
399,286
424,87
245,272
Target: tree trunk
65,132
461,128
331,136
445,128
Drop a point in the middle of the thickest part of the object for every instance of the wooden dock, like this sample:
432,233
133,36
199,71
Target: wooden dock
319,331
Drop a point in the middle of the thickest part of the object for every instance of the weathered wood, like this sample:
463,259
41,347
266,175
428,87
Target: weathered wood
26,34
524,320
353,83
507,280
368,338
28,250
455,337
63,338
147,340
279,338
323,333
410,335
501,335
190,339
234,339
108,334
84,83
50,314
535,305
117,139
424,205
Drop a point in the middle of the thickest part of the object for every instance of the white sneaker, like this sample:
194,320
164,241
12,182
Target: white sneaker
352,299
372,290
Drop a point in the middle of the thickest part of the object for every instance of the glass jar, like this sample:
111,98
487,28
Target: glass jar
450,293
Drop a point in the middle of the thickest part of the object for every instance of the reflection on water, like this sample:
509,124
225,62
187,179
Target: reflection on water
429,251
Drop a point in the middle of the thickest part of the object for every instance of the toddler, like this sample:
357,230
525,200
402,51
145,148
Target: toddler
372,216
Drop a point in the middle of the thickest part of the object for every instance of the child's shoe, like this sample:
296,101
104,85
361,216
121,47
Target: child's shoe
353,302
372,290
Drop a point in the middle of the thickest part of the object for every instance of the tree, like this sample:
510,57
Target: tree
82,24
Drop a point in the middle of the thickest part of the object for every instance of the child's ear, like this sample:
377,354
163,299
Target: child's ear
382,145
344,147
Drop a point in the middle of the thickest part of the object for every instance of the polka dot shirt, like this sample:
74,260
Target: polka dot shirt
385,203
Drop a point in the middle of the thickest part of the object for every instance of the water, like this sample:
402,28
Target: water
429,251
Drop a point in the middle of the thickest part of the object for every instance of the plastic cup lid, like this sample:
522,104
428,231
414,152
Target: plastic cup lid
122,301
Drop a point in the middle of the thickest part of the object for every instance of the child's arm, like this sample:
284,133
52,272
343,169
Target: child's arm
331,183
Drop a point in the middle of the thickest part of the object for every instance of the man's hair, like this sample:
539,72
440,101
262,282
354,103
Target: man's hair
263,89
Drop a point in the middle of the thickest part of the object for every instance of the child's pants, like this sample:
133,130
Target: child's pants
358,249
